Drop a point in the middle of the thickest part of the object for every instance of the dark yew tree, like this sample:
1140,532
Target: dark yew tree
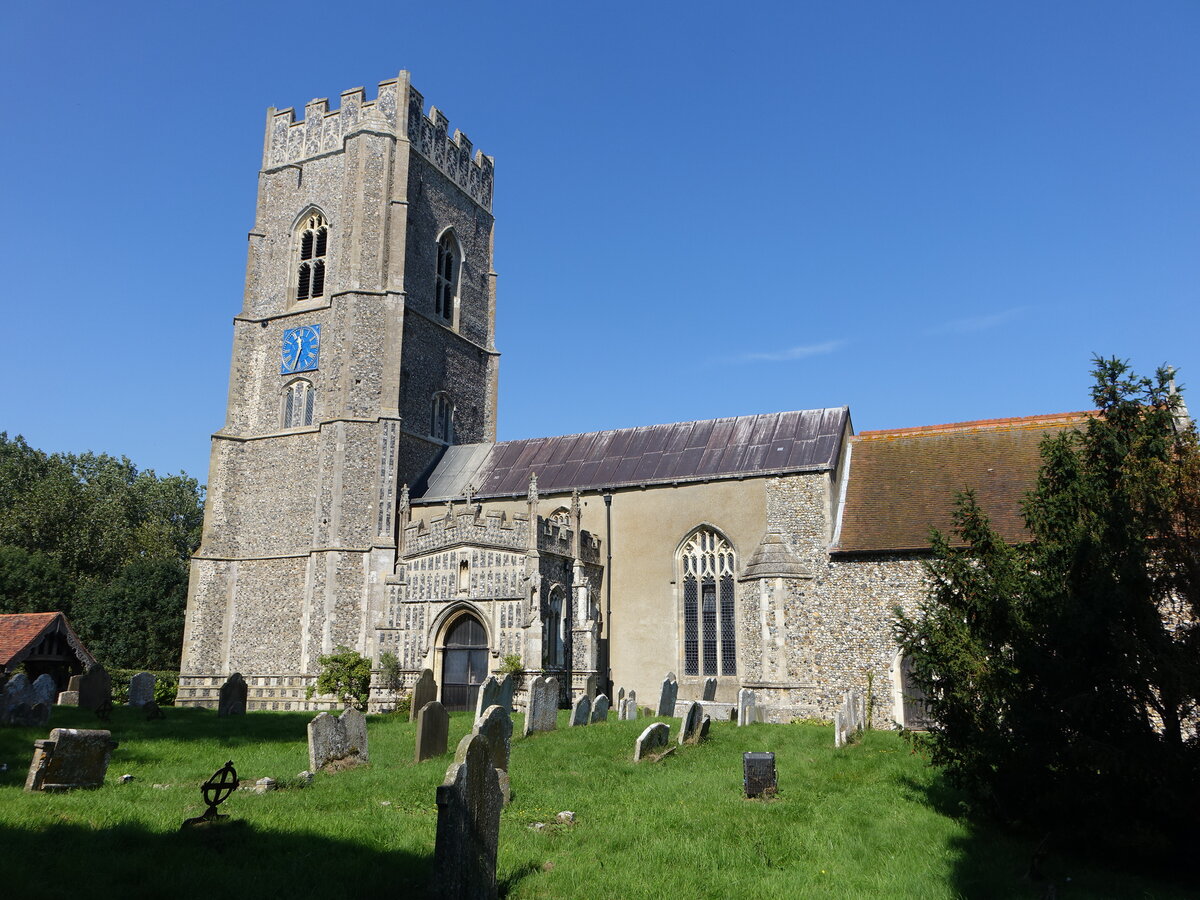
1063,675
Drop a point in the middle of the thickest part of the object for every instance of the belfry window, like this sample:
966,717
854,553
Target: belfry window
298,401
441,425
314,240
707,563
446,285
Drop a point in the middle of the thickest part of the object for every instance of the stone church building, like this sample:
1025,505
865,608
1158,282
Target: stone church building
357,495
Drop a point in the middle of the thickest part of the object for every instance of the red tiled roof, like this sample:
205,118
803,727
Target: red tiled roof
903,482
20,630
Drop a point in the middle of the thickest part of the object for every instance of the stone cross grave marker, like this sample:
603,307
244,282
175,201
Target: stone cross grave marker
95,687
433,729
70,758
141,689
423,691
670,692
581,712
468,826
232,699
496,725
44,689
689,726
747,712
339,742
506,693
600,709
656,737
542,712
710,689
489,695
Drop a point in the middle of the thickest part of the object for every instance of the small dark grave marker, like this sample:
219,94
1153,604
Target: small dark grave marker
215,791
759,774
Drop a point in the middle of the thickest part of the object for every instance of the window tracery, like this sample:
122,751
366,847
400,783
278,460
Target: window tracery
299,401
707,565
313,239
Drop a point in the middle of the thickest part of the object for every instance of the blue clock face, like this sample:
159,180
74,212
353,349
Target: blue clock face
301,348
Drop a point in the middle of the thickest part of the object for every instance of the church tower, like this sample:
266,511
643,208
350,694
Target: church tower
364,347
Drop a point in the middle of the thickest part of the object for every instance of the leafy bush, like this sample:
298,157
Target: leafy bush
346,675
166,686
511,664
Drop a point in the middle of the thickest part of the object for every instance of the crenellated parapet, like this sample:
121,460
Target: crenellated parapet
398,109
555,537
458,526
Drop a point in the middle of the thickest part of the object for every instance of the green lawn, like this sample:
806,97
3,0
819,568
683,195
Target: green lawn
870,820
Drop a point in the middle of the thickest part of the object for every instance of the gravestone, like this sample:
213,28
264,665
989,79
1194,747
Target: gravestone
581,712
44,689
423,691
629,708
496,725
689,726
468,827
747,712
848,721
710,689
70,758
704,726
591,686
506,693
141,689
489,695
232,699
655,737
68,698
16,700
666,700
542,711
620,699
153,712
759,774
433,729
95,687
600,709
340,742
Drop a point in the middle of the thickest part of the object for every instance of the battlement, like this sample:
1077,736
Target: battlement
398,109
461,526
555,537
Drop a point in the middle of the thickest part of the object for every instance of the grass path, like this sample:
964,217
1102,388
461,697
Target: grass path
871,820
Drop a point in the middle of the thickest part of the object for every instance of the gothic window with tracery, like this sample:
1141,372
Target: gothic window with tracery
708,563
299,398
446,287
441,425
313,242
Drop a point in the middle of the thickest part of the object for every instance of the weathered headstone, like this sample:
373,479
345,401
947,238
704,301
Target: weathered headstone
153,712
848,720
340,741
704,726
141,689
581,712
489,694
628,708
496,725
468,827
759,774
16,700
600,709
710,689
232,699
68,698
70,758
95,687
433,729
655,737
591,686
506,693
689,726
423,691
542,712
620,699
746,710
44,689
666,700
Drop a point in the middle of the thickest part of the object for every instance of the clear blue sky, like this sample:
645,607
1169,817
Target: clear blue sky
930,212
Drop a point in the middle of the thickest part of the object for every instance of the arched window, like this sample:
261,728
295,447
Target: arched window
313,240
441,425
446,284
707,565
299,399
553,638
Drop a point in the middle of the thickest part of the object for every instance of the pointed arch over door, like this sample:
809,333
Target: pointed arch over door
464,662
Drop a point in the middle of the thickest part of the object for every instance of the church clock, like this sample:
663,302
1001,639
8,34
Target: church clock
301,349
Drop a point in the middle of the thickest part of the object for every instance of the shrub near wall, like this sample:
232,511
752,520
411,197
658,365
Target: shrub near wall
166,685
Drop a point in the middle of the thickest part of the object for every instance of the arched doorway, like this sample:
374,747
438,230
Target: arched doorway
464,662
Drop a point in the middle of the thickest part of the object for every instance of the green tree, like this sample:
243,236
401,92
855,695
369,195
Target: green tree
135,621
33,582
345,675
1063,675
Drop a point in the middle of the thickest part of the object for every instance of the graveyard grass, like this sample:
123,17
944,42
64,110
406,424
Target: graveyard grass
868,820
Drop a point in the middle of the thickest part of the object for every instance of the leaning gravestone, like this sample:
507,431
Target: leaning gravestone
689,727
666,700
747,712
702,735
489,695
232,699
506,693
653,738
339,742
70,758
141,689
95,687
496,725
542,711
581,712
423,691
433,728
600,709
44,689
468,827
710,689
620,698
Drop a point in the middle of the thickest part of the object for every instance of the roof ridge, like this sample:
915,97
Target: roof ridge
1010,423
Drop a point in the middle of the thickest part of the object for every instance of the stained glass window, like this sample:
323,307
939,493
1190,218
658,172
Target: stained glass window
708,565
